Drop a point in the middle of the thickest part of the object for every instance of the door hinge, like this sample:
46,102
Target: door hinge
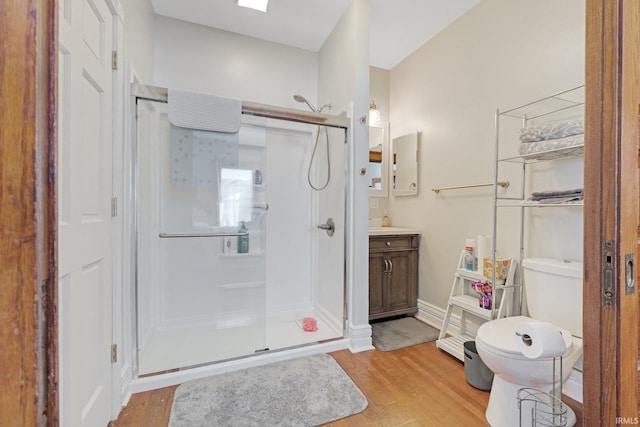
608,279
114,206
114,59
114,353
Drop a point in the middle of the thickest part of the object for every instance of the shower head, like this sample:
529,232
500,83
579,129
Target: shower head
302,99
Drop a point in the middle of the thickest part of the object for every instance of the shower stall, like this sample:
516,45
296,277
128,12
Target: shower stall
236,254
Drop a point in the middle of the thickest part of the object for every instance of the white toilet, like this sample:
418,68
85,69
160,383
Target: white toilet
553,293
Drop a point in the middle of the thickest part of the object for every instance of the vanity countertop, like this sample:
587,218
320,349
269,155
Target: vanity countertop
387,231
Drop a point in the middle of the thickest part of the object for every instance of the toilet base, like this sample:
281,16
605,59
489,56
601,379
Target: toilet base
503,410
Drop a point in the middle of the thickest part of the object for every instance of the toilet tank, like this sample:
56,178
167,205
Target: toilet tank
553,291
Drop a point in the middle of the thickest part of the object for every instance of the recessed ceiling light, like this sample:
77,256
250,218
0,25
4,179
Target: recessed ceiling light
260,5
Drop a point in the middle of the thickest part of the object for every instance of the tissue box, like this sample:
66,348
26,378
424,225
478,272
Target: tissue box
502,268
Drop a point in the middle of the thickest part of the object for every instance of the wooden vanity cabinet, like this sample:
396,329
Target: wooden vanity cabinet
393,275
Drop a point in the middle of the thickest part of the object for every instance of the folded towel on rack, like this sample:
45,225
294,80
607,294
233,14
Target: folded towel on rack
203,111
552,130
550,149
557,200
557,193
557,196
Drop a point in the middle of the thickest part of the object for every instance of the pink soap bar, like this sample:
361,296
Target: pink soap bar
309,324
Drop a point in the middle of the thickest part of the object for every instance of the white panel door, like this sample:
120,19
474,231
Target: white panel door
84,199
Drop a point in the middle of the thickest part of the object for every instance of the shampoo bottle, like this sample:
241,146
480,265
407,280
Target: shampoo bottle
243,241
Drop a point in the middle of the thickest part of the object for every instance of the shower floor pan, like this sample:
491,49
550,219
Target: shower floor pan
173,348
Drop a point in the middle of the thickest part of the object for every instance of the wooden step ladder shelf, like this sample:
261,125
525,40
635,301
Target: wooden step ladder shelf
505,298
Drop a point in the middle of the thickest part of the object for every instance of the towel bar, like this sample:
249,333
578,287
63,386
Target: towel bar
503,184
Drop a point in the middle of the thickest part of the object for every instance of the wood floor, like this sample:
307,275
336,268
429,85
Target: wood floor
414,386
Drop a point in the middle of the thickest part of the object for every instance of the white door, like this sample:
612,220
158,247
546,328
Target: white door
84,212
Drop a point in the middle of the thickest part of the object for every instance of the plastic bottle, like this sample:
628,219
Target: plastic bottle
243,241
469,254
386,222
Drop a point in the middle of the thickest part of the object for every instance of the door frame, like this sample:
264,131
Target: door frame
29,330
611,211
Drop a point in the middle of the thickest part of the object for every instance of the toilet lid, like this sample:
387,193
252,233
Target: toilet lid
499,334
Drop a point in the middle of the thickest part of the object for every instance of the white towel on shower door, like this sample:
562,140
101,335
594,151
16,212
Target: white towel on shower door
204,111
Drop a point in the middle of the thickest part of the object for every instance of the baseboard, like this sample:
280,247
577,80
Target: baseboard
434,316
125,382
360,338
573,386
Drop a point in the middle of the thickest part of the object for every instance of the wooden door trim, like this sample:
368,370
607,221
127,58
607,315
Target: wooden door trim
51,314
594,217
28,212
629,101
610,212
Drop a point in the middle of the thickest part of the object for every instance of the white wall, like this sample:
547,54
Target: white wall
344,80
138,37
501,54
198,58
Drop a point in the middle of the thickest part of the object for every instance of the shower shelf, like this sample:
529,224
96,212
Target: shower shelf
241,285
237,255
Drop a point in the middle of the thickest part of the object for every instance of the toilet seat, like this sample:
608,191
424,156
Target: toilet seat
498,334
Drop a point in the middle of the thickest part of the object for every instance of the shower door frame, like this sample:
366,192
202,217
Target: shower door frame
159,94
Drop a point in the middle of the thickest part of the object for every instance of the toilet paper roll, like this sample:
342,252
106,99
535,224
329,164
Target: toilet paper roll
539,340
483,251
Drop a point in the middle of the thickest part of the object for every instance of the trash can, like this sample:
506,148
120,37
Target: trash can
477,373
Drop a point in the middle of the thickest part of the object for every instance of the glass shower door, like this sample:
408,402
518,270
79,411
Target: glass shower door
201,224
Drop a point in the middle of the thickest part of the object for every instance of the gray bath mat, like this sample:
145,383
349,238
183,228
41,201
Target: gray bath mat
399,333
308,391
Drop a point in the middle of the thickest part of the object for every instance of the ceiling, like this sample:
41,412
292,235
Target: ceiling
397,28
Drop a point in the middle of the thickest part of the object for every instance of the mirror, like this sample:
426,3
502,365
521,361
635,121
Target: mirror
378,169
405,165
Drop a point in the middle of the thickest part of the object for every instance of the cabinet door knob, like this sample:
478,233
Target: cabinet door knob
388,243
386,266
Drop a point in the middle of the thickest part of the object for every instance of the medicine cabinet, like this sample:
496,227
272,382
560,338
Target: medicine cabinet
378,159
405,154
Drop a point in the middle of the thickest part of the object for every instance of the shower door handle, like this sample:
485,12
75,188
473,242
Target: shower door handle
183,235
329,226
